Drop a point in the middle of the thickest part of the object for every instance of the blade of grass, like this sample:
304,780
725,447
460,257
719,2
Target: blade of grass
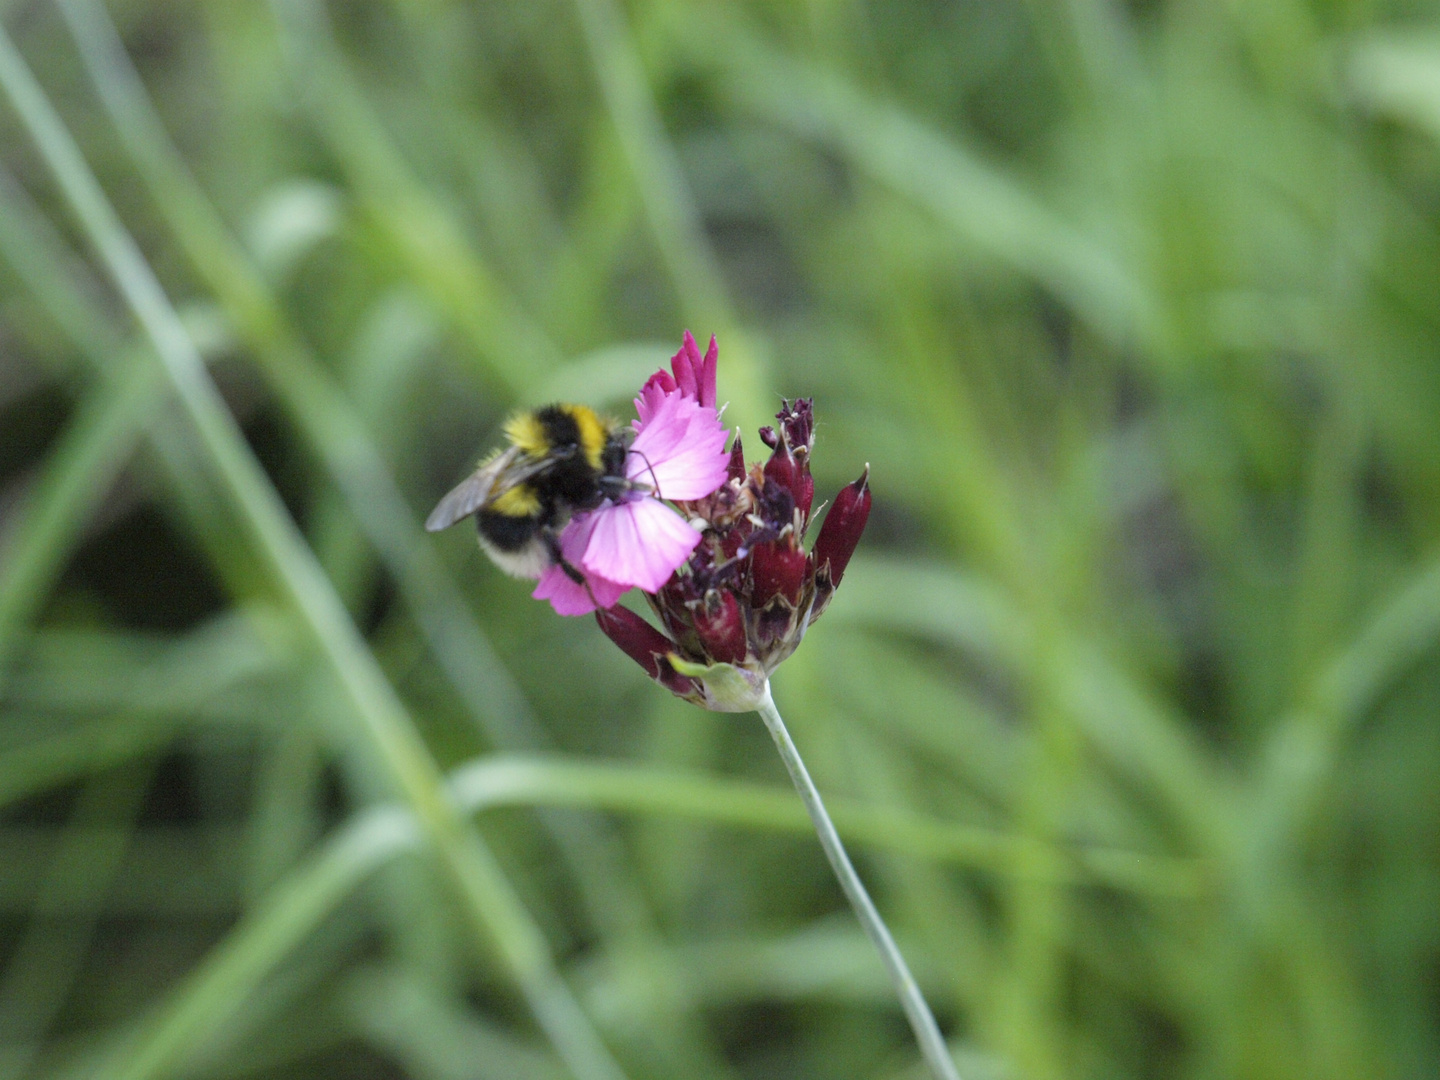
269,932
44,964
436,1037
423,233
285,820
339,436
316,404
490,903
293,908
979,201
88,671
669,205
823,961
145,698
89,455
520,781
1399,75
72,298
1303,750
1125,722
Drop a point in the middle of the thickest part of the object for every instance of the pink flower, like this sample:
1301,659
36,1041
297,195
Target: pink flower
694,377
678,454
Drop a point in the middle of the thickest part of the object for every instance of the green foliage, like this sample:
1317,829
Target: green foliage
1126,706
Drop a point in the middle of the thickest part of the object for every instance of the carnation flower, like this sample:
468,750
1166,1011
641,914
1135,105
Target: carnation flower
749,590
734,596
725,570
679,455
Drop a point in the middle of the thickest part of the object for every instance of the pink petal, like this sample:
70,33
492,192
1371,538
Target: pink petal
566,596
640,543
570,598
707,373
652,396
661,433
694,378
687,366
680,451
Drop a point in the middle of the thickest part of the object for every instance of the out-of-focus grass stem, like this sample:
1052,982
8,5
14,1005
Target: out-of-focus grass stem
90,454
271,930
966,193
670,206
428,238
495,911
43,966
316,404
290,910
333,427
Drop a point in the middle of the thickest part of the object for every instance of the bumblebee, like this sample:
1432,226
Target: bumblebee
561,458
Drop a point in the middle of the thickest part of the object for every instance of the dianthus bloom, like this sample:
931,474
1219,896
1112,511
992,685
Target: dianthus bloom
741,601
726,572
678,455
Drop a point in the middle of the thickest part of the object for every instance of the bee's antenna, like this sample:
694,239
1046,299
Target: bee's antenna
655,483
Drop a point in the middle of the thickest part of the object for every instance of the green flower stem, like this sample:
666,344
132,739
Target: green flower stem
922,1020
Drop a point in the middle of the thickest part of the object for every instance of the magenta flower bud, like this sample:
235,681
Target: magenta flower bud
695,375
720,627
776,569
843,526
645,645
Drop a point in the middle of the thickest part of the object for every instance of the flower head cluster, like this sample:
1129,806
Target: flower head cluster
742,599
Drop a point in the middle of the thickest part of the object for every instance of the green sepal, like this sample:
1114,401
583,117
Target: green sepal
727,687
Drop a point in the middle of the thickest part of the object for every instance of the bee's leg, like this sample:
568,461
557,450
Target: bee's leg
552,546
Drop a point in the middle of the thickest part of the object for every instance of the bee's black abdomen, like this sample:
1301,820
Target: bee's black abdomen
507,532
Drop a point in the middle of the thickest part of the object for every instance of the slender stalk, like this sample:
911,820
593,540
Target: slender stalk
922,1020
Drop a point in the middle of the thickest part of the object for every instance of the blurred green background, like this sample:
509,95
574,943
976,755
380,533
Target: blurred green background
1129,705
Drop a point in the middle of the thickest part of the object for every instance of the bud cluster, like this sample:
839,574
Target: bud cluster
742,602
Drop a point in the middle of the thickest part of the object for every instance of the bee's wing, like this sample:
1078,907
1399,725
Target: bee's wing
484,485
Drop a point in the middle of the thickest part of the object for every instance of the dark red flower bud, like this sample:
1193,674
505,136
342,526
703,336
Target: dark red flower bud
721,627
843,526
789,465
645,645
777,568
797,425
732,541
735,470
794,476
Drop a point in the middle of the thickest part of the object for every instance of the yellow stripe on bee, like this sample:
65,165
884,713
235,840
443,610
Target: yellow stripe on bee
519,501
593,432
527,432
